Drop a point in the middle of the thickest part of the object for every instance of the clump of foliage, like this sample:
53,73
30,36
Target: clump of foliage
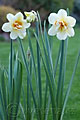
37,106
10,88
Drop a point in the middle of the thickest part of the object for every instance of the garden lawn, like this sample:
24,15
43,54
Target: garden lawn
72,111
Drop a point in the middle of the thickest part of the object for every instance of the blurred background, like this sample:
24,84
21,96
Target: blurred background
43,6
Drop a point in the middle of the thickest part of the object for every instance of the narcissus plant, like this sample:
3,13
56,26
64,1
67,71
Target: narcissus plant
35,105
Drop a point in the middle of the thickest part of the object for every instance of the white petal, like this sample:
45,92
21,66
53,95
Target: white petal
27,13
6,27
22,34
70,32
62,13
71,21
61,35
13,35
19,16
52,31
52,18
26,25
10,16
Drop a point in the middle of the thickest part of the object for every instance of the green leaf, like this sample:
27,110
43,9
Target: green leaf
32,55
3,86
48,47
46,108
17,87
24,100
2,106
57,60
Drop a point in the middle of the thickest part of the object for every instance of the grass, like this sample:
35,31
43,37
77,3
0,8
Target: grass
72,111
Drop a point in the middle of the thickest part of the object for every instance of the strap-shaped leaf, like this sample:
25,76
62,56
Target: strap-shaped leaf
17,87
48,47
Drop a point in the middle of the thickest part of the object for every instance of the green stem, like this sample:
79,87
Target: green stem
60,87
11,62
10,79
39,72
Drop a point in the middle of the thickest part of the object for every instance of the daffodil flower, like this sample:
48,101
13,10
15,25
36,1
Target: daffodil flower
31,16
17,25
62,25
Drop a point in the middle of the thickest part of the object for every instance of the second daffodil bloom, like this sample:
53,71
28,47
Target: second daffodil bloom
17,25
31,16
62,25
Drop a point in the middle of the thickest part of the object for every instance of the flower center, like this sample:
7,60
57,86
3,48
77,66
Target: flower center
55,22
17,25
63,25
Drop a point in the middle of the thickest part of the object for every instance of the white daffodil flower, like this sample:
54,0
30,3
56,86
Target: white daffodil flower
31,16
62,25
17,25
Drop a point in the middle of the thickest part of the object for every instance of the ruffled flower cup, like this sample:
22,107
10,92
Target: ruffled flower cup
17,25
62,25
